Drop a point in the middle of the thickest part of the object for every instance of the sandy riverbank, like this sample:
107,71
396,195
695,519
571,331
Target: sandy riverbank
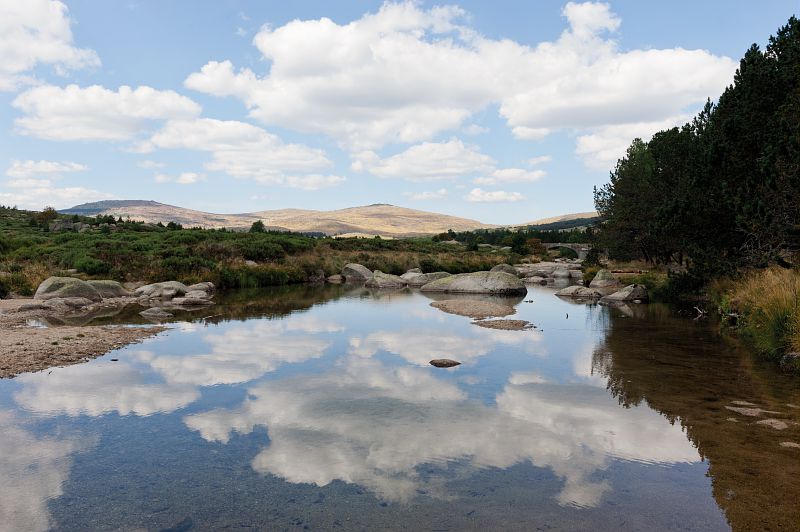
25,348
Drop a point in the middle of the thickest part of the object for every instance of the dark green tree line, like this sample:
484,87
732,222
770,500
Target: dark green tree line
723,191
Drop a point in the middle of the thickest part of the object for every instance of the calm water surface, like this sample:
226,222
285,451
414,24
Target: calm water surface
315,408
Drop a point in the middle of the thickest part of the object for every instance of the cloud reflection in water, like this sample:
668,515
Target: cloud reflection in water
372,425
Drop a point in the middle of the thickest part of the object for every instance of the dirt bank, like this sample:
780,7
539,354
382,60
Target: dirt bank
25,348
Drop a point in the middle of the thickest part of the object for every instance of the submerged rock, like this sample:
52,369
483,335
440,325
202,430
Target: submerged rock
60,287
356,273
385,280
335,279
776,424
473,308
752,412
444,363
478,283
505,325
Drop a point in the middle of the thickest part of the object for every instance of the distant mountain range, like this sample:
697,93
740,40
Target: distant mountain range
379,219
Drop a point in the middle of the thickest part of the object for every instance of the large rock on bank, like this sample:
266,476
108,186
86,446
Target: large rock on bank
605,282
165,290
61,287
422,279
356,273
579,292
206,286
478,283
109,289
507,268
385,280
632,292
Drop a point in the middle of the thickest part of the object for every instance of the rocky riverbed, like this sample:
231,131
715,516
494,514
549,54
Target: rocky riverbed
50,329
26,347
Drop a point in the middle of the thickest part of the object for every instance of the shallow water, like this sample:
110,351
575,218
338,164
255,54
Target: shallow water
316,408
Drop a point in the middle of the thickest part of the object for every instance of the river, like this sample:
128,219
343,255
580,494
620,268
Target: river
315,408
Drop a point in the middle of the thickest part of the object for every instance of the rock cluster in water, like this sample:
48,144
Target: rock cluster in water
73,296
560,270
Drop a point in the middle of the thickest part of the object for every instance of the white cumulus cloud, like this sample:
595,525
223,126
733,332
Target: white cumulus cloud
30,168
429,161
541,159
478,195
34,32
97,113
510,175
391,76
405,74
184,178
246,151
428,195
33,185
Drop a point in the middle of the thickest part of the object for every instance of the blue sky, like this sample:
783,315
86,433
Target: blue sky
503,112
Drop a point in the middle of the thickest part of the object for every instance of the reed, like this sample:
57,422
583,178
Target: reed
768,302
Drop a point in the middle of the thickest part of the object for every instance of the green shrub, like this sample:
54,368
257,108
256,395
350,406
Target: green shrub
656,283
19,284
92,266
259,276
430,265
260,250
589,273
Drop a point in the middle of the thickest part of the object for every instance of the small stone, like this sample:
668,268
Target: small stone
444,363
790,444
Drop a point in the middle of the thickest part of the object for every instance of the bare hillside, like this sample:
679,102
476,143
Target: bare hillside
379,219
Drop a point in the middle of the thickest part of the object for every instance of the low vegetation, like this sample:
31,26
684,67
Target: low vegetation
765,306
35,245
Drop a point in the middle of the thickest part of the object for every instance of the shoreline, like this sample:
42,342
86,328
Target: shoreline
25,348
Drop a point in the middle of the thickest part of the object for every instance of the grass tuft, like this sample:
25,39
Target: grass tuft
768,302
